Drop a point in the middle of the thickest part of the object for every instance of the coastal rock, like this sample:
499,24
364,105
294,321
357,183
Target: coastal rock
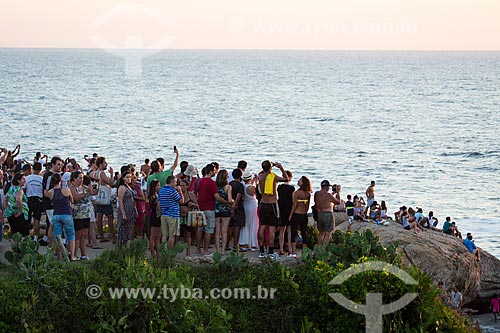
444,258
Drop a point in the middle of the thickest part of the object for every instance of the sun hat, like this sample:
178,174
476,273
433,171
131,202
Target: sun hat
247,175
191,171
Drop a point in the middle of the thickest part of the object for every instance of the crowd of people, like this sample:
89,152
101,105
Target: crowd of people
236,210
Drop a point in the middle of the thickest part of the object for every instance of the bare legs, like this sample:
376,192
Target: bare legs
221,226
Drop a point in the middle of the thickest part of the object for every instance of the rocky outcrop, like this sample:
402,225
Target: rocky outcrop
443,257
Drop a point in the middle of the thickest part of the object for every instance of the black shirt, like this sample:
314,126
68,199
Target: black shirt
285,199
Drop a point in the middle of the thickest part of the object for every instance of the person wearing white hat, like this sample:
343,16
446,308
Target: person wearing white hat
248,233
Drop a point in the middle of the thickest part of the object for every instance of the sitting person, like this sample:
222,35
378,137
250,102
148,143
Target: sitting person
407,224
374,212
397,215
447,226
450,228
424,222
469,244
358,209
456,232
383,210
409,221
434,221
419,215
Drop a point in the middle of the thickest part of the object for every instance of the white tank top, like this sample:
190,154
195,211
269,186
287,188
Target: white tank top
34,186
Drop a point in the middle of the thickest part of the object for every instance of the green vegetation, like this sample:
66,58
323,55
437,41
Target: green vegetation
40,294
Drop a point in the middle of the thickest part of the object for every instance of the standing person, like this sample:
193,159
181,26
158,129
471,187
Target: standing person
336,192
4,153
301,200
192,176
127,212
242,165
170,196
285,203
349,208
237,220
324,202
370,195
104,209
2,205
222,211
145,168
269,211
248,234
16,211
180,176
140,205
92,229
55,169
495,306
456,299
81,211
154,218
62,216
190,203
157,171
207,194
34,192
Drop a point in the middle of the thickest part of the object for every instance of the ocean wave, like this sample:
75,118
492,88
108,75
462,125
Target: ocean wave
470,154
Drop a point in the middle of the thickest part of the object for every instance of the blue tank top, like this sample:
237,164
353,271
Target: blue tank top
60,203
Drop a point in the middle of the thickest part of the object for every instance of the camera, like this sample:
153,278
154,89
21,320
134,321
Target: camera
274,164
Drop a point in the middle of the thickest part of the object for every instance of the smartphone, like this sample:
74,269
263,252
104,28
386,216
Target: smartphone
175,149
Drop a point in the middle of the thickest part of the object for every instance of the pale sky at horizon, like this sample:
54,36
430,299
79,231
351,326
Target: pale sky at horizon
233,24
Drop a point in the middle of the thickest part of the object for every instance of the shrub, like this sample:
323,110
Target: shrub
45,295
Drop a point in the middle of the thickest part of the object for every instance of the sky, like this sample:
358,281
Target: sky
256,24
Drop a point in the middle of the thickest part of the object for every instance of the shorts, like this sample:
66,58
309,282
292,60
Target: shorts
369,202
19,225
35,205
448,232
223,214
269,214
106,210
170,226
407,227
238,218
81,224
326,221
210,227
65,222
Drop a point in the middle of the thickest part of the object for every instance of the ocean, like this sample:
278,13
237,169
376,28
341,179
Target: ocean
423,125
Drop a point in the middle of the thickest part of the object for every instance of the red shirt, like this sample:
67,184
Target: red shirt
206,189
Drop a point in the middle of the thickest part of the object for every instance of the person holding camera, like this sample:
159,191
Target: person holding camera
269,211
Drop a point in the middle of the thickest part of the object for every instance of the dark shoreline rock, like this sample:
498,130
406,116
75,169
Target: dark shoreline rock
443,257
